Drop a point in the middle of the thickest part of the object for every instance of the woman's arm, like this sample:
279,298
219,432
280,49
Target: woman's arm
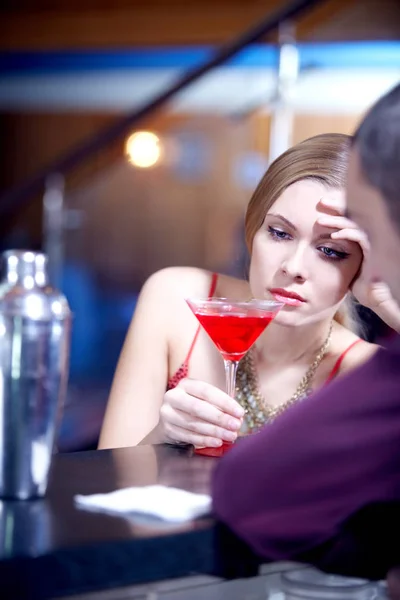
139,410
142,371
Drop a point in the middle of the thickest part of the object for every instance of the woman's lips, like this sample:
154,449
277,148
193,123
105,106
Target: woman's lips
289,298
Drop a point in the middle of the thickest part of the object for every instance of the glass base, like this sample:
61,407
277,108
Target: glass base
214,452
309,583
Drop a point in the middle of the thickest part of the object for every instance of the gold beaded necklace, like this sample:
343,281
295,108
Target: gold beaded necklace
257,411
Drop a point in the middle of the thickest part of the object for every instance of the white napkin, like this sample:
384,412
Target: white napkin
166,503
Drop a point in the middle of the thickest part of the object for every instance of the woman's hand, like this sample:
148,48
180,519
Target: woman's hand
198,413
372,293
376,295
346,229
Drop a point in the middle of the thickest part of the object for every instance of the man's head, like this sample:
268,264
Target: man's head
373,186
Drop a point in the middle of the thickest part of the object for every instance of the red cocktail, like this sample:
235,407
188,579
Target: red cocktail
234,334
233,327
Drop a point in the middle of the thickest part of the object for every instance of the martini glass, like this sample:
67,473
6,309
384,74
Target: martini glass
233,326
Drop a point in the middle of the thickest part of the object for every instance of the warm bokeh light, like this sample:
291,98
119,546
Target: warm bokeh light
143,149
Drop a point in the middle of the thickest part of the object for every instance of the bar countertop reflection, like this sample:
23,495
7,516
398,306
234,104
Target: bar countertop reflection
50,548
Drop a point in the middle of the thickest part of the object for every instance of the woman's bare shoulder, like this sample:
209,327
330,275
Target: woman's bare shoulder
355,350
178,279
233,287
193,281
359,354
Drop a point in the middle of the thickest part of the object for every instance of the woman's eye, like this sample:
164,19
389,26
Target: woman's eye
278,234
333,254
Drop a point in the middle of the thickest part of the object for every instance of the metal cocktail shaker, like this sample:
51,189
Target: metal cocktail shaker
35,323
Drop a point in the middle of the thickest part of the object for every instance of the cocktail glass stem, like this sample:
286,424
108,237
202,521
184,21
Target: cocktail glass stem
230,374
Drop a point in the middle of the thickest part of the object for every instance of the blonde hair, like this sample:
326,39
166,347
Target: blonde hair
322,158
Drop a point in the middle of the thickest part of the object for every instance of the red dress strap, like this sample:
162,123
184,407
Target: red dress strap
213,285
183,370
339,361
210,295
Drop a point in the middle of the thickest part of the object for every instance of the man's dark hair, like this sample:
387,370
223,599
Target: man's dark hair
378,144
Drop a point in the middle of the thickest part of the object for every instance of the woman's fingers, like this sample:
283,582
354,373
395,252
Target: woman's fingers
337,205
201,409
380,295
192,425
200,414
381,291
213,396
337,222
346,230
353,235
177,434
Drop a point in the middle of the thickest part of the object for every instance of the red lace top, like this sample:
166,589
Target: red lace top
183,370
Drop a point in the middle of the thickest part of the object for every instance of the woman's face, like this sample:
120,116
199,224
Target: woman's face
295,260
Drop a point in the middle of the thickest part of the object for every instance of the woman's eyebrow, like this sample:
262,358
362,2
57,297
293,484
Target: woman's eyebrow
289,223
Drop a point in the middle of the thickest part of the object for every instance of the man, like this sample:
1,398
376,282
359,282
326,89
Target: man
373,190
322,483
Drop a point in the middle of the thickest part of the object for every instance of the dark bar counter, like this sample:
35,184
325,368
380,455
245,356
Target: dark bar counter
50,548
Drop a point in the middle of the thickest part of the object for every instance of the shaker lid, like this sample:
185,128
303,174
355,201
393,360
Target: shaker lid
26,291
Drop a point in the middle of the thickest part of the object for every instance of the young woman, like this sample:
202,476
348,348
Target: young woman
169,382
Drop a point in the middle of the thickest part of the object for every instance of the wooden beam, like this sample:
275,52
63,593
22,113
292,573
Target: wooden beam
149,23
89,24
321,14
341,20
74,29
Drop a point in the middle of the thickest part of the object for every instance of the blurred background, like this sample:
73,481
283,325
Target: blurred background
111,203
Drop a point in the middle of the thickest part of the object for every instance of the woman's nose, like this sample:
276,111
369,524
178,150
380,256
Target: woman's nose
294,264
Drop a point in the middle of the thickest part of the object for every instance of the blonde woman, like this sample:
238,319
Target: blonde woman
169,382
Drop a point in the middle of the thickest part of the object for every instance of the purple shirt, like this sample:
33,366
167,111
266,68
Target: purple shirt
290,488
